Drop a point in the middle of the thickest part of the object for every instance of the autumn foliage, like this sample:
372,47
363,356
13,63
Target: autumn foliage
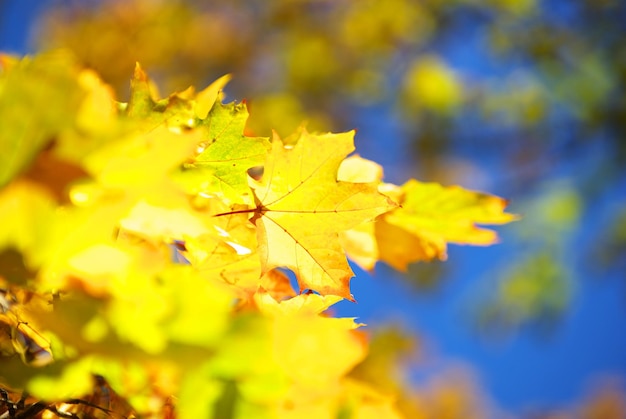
147,247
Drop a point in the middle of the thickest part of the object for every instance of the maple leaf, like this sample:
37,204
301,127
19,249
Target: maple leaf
433,215
301,208
206,98
179,111
225,155
142,95
226,251
430,216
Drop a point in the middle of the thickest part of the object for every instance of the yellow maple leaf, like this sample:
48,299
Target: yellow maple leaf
431,216
301,208
226,251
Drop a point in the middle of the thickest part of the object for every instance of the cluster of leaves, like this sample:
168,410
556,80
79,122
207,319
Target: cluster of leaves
519,82
149,243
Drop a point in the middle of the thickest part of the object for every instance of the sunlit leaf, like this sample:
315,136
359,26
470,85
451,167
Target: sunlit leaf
431,216
226,250
143,95
302,208
225,155
206,98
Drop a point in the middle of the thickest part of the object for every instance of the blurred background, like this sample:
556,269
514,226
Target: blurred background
525,99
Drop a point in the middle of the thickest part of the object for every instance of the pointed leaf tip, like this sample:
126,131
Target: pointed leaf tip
211,94
139,73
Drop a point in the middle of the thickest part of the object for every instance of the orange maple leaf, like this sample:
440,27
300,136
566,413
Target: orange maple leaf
302,207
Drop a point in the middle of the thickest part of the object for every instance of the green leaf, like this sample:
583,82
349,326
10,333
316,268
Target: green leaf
144,107
225,155
141,103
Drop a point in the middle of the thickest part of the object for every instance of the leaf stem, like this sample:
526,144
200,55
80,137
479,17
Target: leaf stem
246,211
